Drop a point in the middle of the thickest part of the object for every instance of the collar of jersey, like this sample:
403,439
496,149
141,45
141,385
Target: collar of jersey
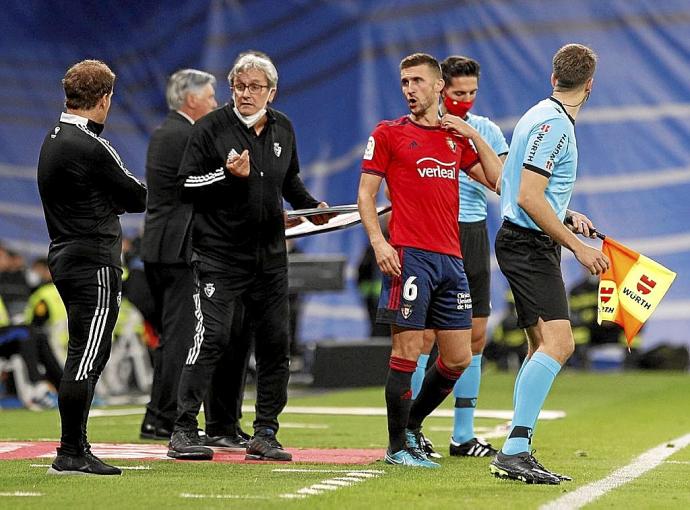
70,118
78,120
408,119
562,108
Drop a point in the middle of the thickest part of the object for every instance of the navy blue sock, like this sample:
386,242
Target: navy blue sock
398,400
438,383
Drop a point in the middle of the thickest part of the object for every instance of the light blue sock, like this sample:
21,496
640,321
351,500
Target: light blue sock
418,376
517,379
535,383
466,391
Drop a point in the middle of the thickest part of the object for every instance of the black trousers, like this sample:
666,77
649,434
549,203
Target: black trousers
173,289
92,304
265,296
223,404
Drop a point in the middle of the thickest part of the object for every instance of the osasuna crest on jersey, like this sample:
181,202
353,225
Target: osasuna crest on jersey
277,149
209,289
451,144
406,310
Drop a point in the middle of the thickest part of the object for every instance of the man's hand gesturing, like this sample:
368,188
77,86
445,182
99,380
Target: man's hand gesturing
238,165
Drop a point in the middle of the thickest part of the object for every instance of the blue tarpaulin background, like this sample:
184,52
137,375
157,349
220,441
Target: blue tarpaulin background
338,66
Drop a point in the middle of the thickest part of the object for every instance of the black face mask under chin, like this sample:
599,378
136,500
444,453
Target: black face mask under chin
584,100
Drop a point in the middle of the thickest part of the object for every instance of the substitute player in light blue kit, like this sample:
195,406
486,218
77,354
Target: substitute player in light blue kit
461,78
537,182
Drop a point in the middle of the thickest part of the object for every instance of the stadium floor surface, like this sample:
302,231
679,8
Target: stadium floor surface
46,449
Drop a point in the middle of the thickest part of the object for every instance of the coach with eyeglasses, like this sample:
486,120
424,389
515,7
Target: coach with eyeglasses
240,162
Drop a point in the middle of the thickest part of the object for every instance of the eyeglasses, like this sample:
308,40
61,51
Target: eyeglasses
254,88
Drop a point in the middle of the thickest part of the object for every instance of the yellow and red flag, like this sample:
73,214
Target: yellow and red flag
631,288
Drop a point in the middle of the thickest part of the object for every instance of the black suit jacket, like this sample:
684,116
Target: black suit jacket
168,221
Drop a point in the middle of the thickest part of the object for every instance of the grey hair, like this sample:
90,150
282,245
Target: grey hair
255,60
183,82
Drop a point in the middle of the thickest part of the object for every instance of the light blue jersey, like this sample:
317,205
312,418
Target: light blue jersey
473,194
544,142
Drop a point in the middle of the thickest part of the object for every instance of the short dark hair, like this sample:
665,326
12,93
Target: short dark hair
455,66
86,82
573,65
418,59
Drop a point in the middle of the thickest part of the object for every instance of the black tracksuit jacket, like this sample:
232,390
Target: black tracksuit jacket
84,187
239,221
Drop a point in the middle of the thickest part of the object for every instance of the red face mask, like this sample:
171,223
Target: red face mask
459,108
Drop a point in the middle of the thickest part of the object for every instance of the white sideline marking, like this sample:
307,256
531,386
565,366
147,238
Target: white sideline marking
293,425
100,413
354,472
130,468
496,414
20,494
351,478
221,496
323,486
339,482
482,432
381,411
639,466
677,462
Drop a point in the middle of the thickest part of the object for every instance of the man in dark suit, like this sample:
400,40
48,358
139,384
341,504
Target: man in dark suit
165,248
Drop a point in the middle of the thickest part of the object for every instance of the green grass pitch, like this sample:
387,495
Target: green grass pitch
611,419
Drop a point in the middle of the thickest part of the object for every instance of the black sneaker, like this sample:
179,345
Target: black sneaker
149,431
473,448
187,445
234,442
243,434
86,463
563,478
427,446
265,446
522,467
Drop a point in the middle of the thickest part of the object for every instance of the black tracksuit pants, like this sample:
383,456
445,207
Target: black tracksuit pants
173,289
92,304
223,404
265,296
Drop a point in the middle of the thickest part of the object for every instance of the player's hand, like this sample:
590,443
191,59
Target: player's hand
594,260
387,258
292,222
580,224
320,219
238,165
455,124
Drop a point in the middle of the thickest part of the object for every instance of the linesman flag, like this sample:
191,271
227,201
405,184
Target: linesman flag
631,288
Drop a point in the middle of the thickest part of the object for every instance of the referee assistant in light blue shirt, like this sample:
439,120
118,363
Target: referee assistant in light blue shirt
537,182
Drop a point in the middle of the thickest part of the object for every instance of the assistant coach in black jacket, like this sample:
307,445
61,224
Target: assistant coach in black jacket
84,187
166,248
240,163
